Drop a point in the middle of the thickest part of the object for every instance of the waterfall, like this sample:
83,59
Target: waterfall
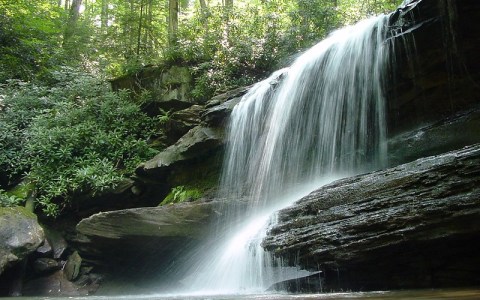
319,119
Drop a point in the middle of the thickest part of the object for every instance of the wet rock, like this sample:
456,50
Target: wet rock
20,235
45,265
72,266
413,226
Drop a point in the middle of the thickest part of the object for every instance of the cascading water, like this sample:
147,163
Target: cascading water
322,118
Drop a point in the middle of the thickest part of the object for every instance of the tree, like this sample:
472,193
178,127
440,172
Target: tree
72,21
104,15
173,8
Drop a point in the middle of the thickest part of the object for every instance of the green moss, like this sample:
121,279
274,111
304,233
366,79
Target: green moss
17,210
22,190
181,193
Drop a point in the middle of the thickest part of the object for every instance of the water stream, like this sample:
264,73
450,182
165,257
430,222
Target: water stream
321,119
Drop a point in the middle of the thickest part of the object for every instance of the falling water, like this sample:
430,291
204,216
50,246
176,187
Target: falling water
322,118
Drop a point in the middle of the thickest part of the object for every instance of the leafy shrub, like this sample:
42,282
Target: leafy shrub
75,136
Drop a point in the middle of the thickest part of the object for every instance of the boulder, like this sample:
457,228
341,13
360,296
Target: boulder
57,242
168,87
413,226
45,250
20,235
179,123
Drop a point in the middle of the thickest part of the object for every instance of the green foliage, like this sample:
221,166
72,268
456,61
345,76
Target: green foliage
29,44
75,137
180,194
241,46
231,50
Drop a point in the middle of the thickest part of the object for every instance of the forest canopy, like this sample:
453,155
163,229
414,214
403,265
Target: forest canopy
64,131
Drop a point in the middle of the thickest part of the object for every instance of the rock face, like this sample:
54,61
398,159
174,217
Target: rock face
413,226
20,235
437,66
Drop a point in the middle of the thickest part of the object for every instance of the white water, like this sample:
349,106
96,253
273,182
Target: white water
321,119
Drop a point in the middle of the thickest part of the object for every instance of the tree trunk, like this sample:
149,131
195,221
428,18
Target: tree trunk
72,21
140,26
148,25
228,4
104,15
204,15
172,22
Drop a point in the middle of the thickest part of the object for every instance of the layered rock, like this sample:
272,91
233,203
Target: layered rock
413,226
449,134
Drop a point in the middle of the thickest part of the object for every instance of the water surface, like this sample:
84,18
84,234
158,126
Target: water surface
469,294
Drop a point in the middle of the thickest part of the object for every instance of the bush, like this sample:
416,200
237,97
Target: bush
75,136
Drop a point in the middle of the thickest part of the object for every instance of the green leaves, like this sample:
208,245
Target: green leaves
73,137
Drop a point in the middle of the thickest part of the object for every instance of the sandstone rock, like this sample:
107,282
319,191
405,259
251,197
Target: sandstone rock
197,142
413,226
135,244
179,123
20,235
186,220
219,107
